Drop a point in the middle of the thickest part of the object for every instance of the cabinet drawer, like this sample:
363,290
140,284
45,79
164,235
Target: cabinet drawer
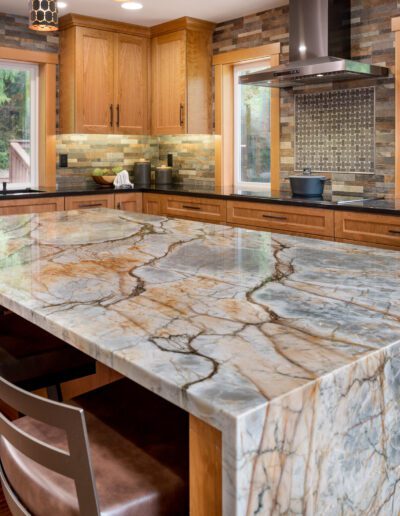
198,208
89,201
368,228
129,202
312,221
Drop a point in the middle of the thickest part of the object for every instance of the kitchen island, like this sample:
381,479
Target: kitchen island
289,346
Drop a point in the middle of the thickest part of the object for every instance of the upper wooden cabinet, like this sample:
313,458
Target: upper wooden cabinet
104,77
181,77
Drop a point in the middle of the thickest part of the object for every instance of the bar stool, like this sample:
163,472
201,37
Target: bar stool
34,359
137,464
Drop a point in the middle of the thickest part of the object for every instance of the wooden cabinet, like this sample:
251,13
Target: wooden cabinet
181,77
104,76
367,228
129,202
152,204
307,221
21,206
94,81
131,84
83,202
197,208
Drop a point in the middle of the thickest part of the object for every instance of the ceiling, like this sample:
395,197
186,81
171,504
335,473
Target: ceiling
155,11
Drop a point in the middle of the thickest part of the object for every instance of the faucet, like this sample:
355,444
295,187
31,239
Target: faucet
307,171
4,187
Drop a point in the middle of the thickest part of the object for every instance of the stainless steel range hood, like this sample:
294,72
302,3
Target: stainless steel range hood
319,48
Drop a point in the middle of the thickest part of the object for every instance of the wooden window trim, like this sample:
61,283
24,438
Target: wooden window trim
224,112
396,29
47,62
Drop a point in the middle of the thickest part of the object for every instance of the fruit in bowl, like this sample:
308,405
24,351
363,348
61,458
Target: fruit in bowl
104,176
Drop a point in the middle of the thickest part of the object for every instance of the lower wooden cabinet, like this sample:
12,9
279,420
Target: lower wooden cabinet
306,221
367,228
21,206
152,204
129,202
197,208
89,201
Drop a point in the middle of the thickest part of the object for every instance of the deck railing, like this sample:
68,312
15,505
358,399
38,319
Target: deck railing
19,162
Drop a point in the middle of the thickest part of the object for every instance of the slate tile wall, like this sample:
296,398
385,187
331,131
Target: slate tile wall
14,32
372,41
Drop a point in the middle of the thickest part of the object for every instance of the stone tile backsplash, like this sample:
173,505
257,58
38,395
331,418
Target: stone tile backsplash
193,155
335,131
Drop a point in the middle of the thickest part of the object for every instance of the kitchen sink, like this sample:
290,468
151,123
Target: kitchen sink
19,191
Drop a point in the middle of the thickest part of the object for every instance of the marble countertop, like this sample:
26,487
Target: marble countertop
368,203
241,328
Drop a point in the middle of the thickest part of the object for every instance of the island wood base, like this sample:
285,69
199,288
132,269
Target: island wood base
205,443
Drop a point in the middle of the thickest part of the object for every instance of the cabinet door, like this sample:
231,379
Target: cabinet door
21,206
129,202
94,81
169,83
89,201
131,83
152,204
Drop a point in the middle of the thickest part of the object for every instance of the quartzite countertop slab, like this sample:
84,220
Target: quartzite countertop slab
289,346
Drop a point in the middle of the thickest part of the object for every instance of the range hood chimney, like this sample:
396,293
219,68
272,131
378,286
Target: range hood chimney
319,48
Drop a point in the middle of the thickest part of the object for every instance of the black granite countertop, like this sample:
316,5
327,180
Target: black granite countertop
375,204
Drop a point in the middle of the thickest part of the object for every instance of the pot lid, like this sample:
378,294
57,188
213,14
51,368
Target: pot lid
307,177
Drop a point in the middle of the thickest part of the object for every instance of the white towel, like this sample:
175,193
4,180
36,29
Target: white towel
122,180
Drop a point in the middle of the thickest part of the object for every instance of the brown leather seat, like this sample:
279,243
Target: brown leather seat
33,359
139,449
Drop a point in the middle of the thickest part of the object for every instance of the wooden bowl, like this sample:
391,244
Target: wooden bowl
104,180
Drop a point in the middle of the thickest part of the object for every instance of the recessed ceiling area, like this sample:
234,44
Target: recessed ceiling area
155,11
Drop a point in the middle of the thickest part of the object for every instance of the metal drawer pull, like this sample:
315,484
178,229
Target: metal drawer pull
181,113
191,207
98,205
117,115
394,231
277,217
111,115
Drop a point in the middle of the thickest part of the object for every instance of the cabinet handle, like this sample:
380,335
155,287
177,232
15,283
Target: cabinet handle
394,231
277,217
97,205
117,115
111,115
191,207
181,112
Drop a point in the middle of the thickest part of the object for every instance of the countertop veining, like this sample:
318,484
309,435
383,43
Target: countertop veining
287,345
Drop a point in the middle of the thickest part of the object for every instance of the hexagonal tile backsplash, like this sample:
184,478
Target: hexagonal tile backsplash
335,131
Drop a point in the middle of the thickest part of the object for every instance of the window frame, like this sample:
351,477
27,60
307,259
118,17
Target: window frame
223,64
238,183
33,68
47,62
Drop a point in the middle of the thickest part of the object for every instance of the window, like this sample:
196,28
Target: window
19,126
252,129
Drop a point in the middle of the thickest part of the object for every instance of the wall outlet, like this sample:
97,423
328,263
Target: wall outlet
63,160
